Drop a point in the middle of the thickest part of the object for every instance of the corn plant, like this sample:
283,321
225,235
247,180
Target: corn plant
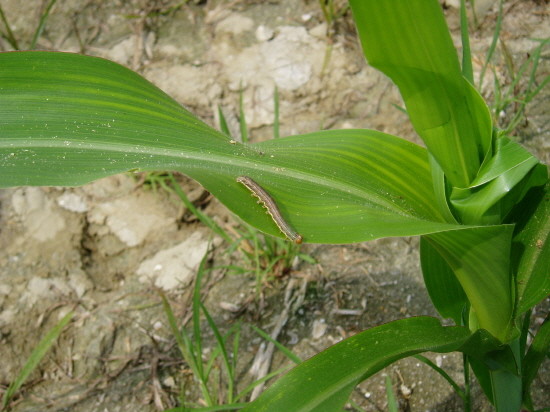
478,199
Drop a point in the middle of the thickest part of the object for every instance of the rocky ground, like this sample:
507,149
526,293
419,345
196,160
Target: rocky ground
104,249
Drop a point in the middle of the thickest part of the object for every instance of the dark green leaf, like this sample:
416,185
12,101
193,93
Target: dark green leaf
538,350
443,287
480,259
342,366
531,248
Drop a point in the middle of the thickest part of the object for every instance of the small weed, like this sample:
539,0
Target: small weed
216,373
519,89
9,36
518,86
34,359
267,257
332,10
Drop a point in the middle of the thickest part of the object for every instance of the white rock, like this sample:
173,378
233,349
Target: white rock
132,219
235,24
79,282
174,267
123,51
37,213
264,33
72,202
318,329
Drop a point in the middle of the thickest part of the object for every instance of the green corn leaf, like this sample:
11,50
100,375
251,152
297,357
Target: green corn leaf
440,190
333,373
67,119
480,259
499,185
531,249
409,41
538,350
444,289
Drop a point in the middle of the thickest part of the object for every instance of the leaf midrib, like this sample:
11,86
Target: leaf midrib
244,167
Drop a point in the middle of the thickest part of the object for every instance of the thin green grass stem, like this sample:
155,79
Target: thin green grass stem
356,406
197,336
276,113
35,357
267,377
492,48
221,347
467,70
206,220
392,403
42,24
467,400
285,351
444,374
223,122
528,94
184,344
242,118
9,34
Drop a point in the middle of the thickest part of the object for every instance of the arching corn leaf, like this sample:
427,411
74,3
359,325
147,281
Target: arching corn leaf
67,119
409,41
325,379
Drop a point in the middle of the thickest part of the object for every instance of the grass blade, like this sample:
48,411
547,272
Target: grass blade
36,356
279,345
392,403
491,51
190,353
205,219
242,118
9,34
444,374
182,339
276,114
223,122
467,70
221,345
267,377
42,24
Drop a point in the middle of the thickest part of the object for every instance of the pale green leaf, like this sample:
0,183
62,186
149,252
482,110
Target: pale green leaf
500,184
409,41
444,289
480,259
67,119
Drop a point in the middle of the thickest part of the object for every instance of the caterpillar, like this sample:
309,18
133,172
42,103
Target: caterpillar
267,201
